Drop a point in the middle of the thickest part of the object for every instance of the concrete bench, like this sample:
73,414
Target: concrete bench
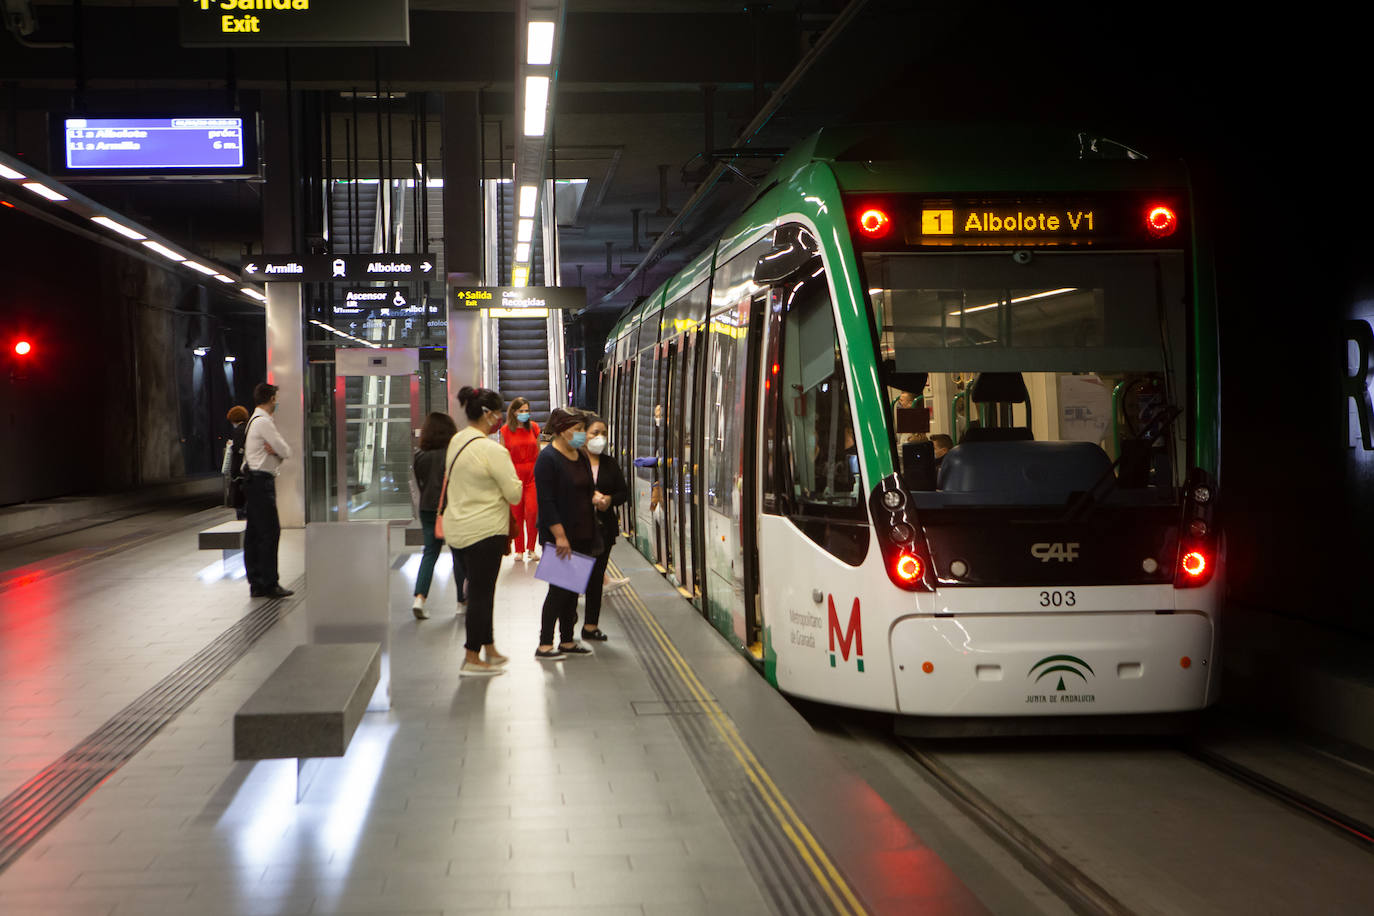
309,707
227,537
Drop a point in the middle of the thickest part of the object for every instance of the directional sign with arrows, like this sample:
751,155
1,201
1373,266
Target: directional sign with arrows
352,268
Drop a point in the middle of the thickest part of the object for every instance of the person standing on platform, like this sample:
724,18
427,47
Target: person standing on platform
521,438
264,451
232,468
428,467
567,519
480,485
609,491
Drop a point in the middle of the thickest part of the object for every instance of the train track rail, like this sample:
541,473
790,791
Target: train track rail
1080,892
1350,827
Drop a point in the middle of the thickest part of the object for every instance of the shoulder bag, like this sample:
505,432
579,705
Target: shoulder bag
443,492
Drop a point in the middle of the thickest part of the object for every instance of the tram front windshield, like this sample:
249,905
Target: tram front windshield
1045,377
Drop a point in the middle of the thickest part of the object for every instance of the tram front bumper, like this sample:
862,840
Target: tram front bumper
1053,664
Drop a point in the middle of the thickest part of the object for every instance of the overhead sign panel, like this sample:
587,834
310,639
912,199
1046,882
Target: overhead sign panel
520,297
315,268
294,23
154,144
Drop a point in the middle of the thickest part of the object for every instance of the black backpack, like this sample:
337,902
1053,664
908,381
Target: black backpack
236,498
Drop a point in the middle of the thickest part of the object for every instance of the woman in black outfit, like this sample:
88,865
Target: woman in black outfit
428,467
567,519
610,491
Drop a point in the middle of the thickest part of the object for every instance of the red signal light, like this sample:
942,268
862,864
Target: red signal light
1194,563
1161,221
23,348
874,223
909,568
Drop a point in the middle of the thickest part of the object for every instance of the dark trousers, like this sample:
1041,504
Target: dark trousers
560,606
263,531
482,563
433,546
595,584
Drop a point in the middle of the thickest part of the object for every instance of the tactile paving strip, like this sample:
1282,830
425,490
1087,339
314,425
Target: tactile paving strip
35,807
793,870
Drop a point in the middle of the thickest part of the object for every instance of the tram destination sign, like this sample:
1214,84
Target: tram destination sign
294,23
520,297
351,268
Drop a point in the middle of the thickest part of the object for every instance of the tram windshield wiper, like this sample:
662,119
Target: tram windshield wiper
1085,504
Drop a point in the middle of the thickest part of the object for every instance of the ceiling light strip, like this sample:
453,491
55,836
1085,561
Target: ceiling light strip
79,205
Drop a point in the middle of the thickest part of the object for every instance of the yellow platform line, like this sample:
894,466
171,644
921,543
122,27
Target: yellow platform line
820,864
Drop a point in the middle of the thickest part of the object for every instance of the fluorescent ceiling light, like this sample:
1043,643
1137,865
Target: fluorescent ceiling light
231,359
524,230
7,172
223,279
993,305
249,291
43,190
201,351
529,196
208,271
119,227
540,48
536,104
522,252
164,251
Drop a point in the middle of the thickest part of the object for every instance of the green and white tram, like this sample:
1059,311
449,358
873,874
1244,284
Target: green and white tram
1034,533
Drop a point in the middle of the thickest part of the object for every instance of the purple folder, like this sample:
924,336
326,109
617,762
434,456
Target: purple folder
573,573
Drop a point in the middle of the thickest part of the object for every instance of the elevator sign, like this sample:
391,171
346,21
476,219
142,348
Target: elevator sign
294,23
315,268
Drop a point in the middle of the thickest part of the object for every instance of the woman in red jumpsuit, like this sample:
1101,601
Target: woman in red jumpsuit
520,436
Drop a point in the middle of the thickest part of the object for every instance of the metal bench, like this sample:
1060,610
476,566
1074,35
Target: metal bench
309,707
227,537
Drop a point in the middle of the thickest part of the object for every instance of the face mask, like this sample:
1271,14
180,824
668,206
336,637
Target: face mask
658,421
853,464
579,438
523,417
597,445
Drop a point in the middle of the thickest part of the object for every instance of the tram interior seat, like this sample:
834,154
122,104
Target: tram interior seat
1020,472
999,388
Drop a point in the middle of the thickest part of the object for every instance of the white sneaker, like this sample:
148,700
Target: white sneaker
418,609
529,555
615,582
479,669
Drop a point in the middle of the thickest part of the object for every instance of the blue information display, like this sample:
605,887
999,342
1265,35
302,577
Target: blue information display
147,145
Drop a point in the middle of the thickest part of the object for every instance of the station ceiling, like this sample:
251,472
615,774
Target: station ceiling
635,85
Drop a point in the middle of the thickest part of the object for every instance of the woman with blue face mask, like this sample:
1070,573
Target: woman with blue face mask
520,436
567,522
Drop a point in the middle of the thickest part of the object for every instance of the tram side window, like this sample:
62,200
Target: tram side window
819,460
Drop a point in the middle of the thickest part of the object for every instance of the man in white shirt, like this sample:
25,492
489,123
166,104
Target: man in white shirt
264,451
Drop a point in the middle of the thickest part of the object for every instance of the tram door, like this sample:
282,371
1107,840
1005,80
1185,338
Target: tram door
667,464
686,463
377,418
624,413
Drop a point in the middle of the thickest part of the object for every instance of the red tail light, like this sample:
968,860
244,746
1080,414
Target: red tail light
909,568
1161,221
1194,563
875,223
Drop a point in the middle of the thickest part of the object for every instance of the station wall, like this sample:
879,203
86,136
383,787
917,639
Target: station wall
112,396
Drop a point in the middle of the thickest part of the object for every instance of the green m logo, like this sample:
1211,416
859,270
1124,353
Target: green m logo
1064,664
